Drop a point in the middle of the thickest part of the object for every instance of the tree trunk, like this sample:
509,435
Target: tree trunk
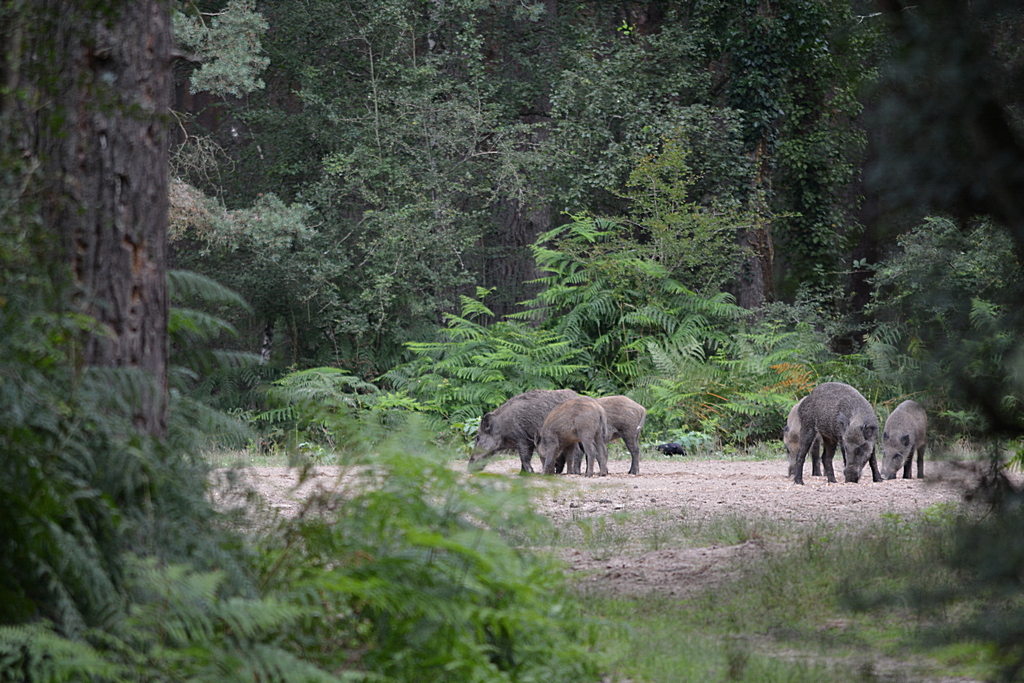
268,342
754,284
508,263
107,163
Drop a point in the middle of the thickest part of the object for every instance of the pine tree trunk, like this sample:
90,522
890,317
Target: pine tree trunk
755,284
108,164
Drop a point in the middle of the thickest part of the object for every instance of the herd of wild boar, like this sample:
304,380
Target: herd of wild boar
564,427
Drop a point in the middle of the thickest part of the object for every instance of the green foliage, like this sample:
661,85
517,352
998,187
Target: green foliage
299,405
410,577
696,245
430,144
947,304
960,321
81,487
265,252
407,574
226,44
474,367
35,653
742,389
794,71
393,135
180,626
602,296
615,98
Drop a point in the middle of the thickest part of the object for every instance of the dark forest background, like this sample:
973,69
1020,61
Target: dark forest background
345,230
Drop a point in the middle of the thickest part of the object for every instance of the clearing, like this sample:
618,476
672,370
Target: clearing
618,531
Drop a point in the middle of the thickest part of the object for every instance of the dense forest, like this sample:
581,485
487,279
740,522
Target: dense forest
352,228
702,204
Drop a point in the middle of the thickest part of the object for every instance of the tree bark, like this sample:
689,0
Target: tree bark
754,284
508,264
107,162
268,342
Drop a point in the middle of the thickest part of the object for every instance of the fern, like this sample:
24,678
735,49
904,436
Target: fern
186,285
412,579
35,653
472,368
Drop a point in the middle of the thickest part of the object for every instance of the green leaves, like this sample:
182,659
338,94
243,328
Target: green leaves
411,576
227,46
602,295
946,305
472,368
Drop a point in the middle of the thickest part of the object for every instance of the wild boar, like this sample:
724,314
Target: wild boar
842,417
515,425
577,422
625,420
906,432
791,439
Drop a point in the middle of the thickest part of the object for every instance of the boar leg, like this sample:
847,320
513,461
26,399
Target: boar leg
601,453
634,450
828,452
576,456
551,462
807,435
920,462
875,474
525,455
816,457
906,465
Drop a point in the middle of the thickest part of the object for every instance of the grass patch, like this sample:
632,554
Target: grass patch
623,533
654,640
824,605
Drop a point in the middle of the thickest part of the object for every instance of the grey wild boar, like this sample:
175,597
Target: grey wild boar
791,439
625,420
844,418
577,422
905,433
515,425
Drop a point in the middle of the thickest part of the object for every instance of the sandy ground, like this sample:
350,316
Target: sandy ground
670,493
691,493
609,526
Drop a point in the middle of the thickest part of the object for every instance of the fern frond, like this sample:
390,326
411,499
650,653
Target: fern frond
34,652
186,284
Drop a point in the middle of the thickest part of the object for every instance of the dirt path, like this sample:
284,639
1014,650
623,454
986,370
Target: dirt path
750,495
632,511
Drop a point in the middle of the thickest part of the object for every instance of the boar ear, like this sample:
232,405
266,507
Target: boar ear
906,439
485,423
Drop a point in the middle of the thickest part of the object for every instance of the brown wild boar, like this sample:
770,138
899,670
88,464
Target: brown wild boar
844,418
906,432
625,420
515,425
577,422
